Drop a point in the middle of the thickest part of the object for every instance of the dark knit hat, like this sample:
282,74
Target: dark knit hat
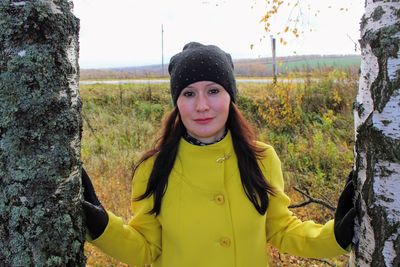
199,62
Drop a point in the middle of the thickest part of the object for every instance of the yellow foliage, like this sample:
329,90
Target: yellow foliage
282,107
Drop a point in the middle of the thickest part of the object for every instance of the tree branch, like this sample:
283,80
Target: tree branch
311,199
326,262
89,126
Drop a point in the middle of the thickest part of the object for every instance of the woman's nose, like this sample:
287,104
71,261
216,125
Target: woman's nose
202,103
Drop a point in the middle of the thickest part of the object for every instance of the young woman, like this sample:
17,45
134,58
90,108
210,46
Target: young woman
209,194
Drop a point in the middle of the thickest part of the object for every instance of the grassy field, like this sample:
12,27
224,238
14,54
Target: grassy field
310,125
318,63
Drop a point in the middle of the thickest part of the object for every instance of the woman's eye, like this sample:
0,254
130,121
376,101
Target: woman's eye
213,91
188,93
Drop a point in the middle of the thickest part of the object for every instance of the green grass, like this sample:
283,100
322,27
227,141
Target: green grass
318,63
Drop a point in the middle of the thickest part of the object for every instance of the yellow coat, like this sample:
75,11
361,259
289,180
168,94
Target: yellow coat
206,219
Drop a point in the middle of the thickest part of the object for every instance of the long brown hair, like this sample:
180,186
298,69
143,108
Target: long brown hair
166,148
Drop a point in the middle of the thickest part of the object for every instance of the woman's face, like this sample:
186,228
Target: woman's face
204,107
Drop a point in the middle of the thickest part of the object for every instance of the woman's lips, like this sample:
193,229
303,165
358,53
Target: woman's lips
203,120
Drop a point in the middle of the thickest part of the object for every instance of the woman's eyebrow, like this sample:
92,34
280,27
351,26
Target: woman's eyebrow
212,83
193,87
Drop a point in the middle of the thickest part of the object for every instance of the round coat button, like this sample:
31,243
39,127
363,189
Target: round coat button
225,242
219,199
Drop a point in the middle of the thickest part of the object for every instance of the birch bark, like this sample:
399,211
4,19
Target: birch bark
377,149
40,126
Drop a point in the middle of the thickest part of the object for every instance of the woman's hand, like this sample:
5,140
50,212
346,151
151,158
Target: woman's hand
345,214
96,215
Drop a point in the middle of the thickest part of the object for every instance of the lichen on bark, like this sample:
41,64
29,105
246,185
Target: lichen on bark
40,127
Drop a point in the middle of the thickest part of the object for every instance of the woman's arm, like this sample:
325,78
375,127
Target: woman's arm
285,231
138,242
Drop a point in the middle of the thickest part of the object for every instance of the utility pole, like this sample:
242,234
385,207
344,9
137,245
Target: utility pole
162,50
274,70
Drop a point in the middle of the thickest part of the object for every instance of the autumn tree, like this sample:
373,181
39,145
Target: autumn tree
40,124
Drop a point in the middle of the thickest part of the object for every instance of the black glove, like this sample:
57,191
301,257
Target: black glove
345,214
96,215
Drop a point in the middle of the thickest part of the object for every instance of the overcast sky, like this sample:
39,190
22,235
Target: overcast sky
122,33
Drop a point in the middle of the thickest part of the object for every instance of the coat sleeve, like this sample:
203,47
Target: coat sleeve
284,230
139,242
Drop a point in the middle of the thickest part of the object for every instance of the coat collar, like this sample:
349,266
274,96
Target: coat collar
206,167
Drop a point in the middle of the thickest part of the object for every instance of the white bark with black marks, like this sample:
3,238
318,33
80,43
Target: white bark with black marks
377,150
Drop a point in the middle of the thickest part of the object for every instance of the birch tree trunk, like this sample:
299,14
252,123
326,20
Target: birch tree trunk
40,127
377,150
